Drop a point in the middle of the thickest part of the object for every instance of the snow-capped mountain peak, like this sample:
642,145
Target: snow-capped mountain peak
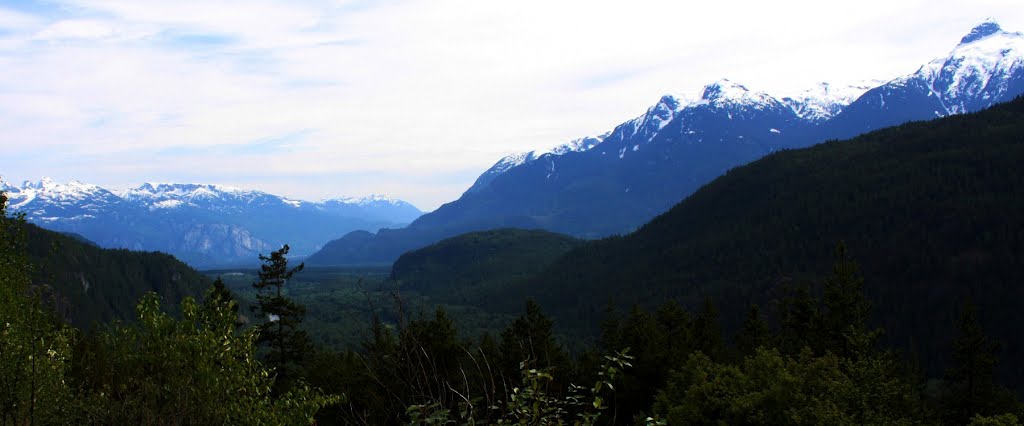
73,190
724,89
824,100
977,70
82,196
68,189
725,93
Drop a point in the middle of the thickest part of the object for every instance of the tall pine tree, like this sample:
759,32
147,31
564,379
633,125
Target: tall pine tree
754,333
530,340
280,317
220,295
973,389
845,328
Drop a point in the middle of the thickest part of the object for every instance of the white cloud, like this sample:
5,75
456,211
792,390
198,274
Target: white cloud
411,98
14,20
76,29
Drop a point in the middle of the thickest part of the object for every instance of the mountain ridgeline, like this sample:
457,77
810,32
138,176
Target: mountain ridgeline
931,210
204,225
613,183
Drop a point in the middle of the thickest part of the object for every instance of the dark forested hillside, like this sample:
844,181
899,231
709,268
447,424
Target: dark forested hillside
473,265
95,284
932,210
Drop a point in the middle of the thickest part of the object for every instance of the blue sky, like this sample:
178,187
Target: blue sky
409,98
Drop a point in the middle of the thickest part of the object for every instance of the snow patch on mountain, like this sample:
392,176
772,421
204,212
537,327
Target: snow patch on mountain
824,100
166,204
576,145
511,161
367,200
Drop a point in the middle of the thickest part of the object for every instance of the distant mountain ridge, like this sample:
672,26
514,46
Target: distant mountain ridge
613,183
202,224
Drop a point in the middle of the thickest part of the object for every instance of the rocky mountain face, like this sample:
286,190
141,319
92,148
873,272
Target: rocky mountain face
204,225
611,184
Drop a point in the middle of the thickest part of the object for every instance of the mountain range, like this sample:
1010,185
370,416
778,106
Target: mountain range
613,183
591,187
929,210
203,225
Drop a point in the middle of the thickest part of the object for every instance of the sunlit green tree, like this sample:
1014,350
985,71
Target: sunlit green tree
195,370
34,344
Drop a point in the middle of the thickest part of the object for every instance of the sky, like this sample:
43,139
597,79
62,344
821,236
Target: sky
408,98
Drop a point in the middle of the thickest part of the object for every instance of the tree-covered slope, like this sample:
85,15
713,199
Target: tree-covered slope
932,210
472,265
95,284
